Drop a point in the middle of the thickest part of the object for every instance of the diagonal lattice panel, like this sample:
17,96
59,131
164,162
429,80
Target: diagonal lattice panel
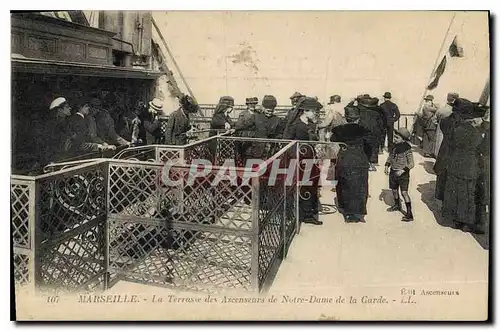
168,155
75,261
270,239
69,202
19,211
21,268
200,150
132,189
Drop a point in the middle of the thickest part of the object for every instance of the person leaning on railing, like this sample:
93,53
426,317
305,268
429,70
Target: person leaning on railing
179,127
81,140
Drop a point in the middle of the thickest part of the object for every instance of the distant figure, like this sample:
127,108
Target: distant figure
333,117
391,112
428,122
400,162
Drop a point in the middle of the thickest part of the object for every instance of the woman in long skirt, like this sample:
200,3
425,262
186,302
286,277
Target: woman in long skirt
299,127
352,167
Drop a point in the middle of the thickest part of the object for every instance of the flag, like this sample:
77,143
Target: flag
437,74
455,49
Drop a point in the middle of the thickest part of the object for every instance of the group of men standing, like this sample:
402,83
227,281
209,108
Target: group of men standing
96,124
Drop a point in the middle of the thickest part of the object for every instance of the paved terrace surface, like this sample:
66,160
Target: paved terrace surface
377,259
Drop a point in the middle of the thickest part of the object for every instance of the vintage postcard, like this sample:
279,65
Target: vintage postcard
250,165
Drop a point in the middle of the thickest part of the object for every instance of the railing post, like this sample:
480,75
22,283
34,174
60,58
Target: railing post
34,229
283,223
254,272
297,191
106,225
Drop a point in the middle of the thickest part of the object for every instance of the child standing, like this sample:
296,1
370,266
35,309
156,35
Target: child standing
400,161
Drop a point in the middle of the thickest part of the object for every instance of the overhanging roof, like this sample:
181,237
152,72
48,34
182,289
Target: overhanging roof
48,67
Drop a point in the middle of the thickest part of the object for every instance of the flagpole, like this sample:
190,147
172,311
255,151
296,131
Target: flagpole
437,60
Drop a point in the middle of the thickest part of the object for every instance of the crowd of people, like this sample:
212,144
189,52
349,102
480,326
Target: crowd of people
457,135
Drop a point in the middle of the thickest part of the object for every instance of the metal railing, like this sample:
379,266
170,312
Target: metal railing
88,225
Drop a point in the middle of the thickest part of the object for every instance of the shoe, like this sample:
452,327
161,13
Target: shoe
312,221
394,208
351,219
407,218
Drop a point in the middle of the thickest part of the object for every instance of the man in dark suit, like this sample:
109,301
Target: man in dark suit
81,139
392,115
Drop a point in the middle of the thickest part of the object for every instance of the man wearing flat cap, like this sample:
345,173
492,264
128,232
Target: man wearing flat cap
391,113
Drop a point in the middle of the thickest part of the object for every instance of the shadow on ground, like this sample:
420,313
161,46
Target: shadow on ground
387,197
434,205
428,166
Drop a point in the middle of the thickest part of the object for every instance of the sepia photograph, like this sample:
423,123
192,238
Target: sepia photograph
229,165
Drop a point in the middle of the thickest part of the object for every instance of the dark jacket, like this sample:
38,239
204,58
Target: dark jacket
275,127
447,126
359,142
372,119
464,146
391,112
218,123
177,126
106,129
245,125
81,140
54,137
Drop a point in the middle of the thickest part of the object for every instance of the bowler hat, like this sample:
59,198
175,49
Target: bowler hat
387,95
403,133
269,102
156,104
296,95
429,97
334,98
252,101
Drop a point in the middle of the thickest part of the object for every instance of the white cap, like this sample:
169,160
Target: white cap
57,102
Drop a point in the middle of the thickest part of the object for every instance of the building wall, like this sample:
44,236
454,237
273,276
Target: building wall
323,53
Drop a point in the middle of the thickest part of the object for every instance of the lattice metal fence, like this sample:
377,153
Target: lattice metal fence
119,219
22,207
66,248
